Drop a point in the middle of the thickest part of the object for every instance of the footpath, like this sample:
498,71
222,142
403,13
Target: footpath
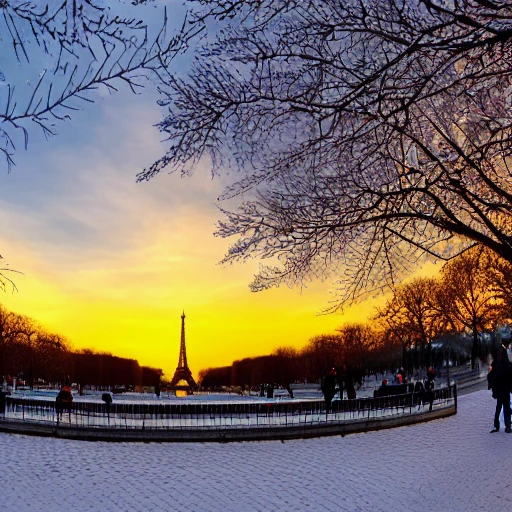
451,464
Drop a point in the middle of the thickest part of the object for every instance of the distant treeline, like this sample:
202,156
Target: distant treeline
36,356
356,346
427,322
89,368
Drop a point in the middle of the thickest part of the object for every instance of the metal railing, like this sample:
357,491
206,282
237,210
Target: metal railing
196,416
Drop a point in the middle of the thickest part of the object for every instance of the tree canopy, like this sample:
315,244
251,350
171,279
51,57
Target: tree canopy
57,54
366,135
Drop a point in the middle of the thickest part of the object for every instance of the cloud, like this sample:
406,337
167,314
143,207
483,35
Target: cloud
111,263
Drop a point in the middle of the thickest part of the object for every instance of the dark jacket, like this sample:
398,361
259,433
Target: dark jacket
346,380
500,376
65,395
329,384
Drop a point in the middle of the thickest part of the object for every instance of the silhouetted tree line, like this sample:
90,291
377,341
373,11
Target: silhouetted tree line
212,378
103,369
34,355
470,296
29,352
357,347
426,322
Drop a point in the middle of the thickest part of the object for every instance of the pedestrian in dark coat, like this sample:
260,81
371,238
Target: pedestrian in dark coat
348,381
419,391
429,387
63,402
500,381
329,388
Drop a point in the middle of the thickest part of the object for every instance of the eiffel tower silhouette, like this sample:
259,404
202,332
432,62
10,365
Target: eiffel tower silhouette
183,371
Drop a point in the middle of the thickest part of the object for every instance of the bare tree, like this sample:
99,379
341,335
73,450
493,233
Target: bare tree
27,348
466,296
5,334
367,134
57,53
320,354
415,316
24,333
53,358
357,342
499,275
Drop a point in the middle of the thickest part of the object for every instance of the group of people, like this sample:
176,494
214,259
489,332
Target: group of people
423,390
499,381
337,381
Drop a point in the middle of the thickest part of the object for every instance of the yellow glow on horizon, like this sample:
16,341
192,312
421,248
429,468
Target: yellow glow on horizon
111,264
134,310
225,321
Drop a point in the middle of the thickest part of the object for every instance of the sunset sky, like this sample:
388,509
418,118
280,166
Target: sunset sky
111,264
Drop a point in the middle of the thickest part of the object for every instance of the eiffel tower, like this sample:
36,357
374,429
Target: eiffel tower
183,371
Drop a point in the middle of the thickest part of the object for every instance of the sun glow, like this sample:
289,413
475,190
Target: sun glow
110,264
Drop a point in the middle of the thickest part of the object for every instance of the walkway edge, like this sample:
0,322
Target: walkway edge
223,435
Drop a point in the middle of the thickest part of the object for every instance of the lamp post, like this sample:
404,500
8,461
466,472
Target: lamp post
448,362
31,350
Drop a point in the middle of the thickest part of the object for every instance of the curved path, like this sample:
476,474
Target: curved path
451,464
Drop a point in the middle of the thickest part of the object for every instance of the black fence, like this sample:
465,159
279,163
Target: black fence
206,415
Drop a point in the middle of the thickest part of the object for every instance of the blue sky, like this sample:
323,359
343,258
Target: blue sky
111,264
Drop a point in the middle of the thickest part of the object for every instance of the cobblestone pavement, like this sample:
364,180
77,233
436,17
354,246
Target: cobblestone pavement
452,464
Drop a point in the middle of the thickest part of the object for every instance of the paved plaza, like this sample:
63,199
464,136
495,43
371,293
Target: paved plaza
451,465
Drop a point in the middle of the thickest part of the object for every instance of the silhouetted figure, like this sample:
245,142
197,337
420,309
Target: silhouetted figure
429,387
500,381
329,388
348,381
3,394
63,402
382,391
418,393
107,398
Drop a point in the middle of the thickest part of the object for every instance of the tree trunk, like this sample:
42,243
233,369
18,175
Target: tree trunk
474,349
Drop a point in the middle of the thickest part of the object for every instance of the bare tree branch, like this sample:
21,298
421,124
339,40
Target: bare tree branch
366,135
68,49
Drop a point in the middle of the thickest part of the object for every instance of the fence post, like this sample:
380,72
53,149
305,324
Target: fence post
455,395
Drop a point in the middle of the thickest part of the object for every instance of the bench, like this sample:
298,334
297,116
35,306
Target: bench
390,389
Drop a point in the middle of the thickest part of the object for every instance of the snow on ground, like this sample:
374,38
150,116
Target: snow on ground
452,464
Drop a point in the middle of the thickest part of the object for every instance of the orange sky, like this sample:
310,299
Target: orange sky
111,264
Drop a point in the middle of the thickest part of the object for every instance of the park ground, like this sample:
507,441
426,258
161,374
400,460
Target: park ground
451,464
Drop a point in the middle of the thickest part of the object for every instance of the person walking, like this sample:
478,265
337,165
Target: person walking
429,387
63,401
499,380
348,381
329,388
